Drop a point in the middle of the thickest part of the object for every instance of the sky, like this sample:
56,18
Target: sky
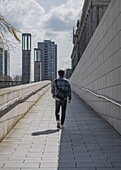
45,20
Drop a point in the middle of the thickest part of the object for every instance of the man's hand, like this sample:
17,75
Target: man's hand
69,101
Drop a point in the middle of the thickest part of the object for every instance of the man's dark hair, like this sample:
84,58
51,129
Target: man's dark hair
61,73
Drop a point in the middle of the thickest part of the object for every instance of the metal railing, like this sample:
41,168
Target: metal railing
10,105
5,84
97,95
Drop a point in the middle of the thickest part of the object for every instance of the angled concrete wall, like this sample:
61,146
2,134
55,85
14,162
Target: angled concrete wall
99,69
8,120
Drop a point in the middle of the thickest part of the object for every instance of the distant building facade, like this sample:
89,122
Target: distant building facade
49,59
7,62
92,13
4,62
37,65
26,58
68,73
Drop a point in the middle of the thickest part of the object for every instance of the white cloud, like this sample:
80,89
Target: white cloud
23,14
63,17
57,24
60,21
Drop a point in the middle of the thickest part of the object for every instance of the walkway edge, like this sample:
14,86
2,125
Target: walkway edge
9,120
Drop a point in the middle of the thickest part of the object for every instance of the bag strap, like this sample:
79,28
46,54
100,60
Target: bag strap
56,83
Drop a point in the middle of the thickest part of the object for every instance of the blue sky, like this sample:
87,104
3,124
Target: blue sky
44,19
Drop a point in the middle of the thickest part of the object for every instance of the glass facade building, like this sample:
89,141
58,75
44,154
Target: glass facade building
4,62
7,62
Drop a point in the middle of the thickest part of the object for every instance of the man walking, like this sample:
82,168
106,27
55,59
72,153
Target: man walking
62,84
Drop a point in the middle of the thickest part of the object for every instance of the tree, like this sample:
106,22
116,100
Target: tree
5,27
17,78
5,78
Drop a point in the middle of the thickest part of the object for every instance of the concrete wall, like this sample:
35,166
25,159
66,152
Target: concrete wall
7,95
99,69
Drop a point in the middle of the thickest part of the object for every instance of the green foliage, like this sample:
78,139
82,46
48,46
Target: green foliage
17,78
6,27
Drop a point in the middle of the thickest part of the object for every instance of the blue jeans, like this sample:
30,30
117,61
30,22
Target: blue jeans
61,104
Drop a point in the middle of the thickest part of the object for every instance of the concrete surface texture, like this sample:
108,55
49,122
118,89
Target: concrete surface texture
87,142
99,68
11,116
8,94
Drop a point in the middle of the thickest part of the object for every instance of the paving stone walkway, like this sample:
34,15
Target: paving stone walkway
86,143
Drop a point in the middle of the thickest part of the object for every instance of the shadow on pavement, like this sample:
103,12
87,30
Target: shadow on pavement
44,132
87,142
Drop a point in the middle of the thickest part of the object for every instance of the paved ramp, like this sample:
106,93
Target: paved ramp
86,143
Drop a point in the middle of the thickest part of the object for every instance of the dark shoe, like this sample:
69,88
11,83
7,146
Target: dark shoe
58,125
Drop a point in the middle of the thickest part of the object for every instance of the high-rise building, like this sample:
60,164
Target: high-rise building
37,65
49,59
1,61
4,62
7,62
26,58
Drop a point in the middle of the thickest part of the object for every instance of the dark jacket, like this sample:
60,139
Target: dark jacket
63,84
